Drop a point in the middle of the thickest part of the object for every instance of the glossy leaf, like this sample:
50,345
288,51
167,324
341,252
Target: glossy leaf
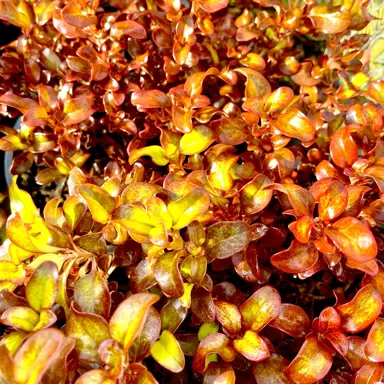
330,19
374,347
343,149
228,316
361,311
311,364
261,308
100,203
298,258
271,371
167,274
226,238
129,317
167,352
253,197
231,131
292,320
252,346
294,123
150,99
353,238
197,141
215,343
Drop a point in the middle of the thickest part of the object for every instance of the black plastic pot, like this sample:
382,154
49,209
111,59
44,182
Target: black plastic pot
7,162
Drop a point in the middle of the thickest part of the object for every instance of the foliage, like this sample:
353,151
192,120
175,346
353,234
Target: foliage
223,207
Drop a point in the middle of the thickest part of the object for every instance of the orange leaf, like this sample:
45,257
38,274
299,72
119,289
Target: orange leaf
18,13
279,98
329,19
150,99
78,109
353,238
230,130
228,316
361,311
75,16
256,85
212,6
261,308
294,123
343,149
130,28
374,347
311,364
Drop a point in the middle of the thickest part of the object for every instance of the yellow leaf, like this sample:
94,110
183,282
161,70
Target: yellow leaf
187,208
129,317
42,288
207,329
22,318
22,203
11,272
167,352
36,355
197,141
155,152
100,203
13,340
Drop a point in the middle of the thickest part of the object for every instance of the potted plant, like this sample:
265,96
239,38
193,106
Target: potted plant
196,195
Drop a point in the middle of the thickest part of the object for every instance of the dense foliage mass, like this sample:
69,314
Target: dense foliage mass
221,202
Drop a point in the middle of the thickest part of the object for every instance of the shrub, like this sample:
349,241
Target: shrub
221,208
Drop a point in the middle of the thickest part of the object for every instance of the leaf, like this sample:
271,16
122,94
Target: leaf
167,352
44,10
150,99
130,28
10,99
150,332
74,210
230,130
197,141
329,320
331,196
100,203
215,343
338,341
167,274
343,149
36,355
228,316
155,152
361,311
355,356
370,373
294,123
253,197
212,6
22,318
18,13
78,109
186,209
42,288
252,346
129,317
292,320
202,305
21,202
311,364
89,330
353,238
172,315
271,371
300,199
261,308
95,376
278,99
376,172
12,273
298,258
226,238
329,19
256,84
74,15
91,294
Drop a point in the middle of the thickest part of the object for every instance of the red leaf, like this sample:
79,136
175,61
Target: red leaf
353,238
374,347
130,28
296,259
292,320
74,15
